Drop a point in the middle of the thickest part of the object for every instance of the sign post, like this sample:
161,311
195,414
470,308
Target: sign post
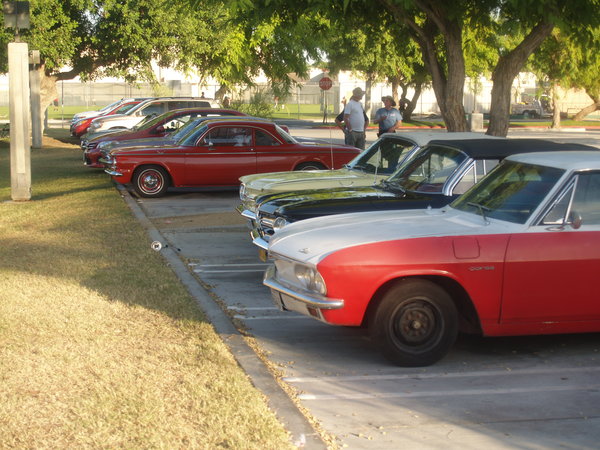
325,84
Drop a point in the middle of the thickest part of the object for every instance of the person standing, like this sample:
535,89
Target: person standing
388,117
354,118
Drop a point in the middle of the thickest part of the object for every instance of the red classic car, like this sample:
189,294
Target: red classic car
152,127
517,254
217,154
80,125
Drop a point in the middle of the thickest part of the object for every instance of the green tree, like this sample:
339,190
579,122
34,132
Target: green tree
565,61
121,38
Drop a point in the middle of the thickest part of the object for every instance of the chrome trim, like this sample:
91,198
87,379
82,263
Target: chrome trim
312,300
247,213
113,173
260,242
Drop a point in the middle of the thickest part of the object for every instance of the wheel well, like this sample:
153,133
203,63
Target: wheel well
143,166
317,164
469,320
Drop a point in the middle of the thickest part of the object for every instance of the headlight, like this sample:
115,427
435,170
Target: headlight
106,145
310,279
242,192
94,126
279,223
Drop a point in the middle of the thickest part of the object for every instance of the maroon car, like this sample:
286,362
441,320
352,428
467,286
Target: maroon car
216,153
149,129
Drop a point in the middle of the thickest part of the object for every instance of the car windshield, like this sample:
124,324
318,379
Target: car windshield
123,109
383,156
428,170
511,192
288,139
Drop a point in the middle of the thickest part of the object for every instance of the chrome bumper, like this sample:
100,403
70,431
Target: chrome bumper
288,299
113,173
258,240
245,212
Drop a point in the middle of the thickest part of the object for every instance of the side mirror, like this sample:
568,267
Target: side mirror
575,220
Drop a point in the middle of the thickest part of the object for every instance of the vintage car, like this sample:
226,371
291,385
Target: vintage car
435,176
150,128
217,154
373,165
518,254
80,123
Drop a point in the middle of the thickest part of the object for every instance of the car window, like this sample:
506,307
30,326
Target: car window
383,156
263,138
228,136
153,109
581,197
475,173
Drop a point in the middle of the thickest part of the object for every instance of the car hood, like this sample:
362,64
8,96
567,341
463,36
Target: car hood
312,240
258,184
308,204
107,135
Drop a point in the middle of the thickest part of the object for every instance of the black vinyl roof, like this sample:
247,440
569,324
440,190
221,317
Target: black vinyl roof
501,148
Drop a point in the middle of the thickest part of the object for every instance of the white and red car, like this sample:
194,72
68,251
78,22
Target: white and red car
517,254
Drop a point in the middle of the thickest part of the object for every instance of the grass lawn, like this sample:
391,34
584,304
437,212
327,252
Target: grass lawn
100,345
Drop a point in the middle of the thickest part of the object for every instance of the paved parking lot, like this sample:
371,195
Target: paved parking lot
525,392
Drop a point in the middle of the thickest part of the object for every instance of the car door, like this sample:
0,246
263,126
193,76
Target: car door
271,155
550,271
222,155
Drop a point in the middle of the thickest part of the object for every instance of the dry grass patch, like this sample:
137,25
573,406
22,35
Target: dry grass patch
100,345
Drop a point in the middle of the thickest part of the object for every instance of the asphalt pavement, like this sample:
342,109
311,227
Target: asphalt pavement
525,392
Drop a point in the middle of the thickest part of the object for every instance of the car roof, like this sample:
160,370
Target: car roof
206,109
422,138
499,149
571,161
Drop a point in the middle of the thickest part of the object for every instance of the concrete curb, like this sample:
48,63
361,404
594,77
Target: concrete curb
302,433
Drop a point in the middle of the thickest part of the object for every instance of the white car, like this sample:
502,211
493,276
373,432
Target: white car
373,165
149,107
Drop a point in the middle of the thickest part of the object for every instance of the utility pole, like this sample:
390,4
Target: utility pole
16,16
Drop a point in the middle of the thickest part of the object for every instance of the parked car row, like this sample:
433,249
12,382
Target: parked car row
201,147
440,246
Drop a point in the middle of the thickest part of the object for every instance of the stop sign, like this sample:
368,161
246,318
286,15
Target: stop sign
325,83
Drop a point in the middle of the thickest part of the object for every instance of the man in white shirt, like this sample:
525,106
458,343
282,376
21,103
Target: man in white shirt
354,118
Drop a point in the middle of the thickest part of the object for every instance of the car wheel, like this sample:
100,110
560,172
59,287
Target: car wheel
151,181
310,166
415,324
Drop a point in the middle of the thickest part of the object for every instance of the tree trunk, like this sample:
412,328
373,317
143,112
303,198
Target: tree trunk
408,106
506,70
448,88
589,109
48,92
556,104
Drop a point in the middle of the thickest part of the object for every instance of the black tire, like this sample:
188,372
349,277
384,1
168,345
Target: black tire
151,181
415,324
310,166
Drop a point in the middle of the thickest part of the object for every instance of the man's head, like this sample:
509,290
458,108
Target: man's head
358,93
388,101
